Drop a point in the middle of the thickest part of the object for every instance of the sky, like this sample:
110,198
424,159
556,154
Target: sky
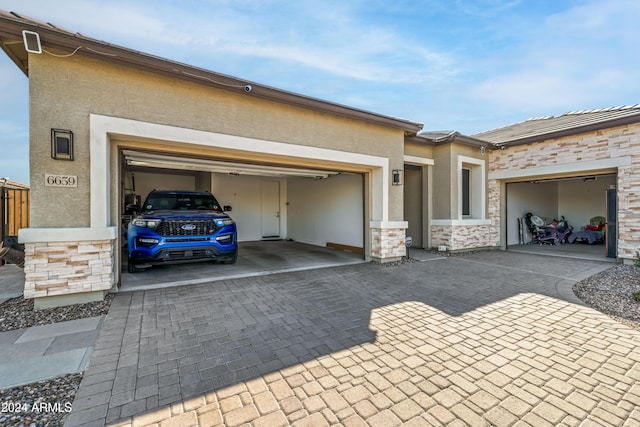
464,65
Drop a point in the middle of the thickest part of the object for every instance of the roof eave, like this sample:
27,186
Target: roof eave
58,39
457,138
473,142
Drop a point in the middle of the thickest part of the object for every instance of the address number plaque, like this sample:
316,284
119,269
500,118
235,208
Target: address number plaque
60,180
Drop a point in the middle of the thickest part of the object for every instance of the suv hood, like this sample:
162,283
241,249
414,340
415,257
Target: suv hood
182,214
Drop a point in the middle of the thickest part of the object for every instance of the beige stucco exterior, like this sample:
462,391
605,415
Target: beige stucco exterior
109,107
611,150
449,228
81,86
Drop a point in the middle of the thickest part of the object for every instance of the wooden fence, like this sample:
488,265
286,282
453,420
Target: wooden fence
14,211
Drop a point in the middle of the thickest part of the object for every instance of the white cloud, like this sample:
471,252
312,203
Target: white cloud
580,58
328,37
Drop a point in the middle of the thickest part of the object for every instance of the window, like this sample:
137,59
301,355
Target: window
471,188
466,193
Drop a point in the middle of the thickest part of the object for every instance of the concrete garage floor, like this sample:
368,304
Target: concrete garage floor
595,252
254,259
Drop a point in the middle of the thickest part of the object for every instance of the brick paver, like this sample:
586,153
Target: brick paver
484,339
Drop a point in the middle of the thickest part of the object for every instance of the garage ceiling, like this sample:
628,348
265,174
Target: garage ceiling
163,161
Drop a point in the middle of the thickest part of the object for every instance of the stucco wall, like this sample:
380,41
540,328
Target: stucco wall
64,91
449,228
443,190
445,174
416,149
588,150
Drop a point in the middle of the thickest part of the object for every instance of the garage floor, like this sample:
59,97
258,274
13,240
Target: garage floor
254,259
595,252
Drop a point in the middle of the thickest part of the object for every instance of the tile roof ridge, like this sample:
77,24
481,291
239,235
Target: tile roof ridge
602,110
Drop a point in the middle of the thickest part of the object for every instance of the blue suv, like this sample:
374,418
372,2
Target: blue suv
180,226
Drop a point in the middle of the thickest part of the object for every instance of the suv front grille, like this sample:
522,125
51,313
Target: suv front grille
186,227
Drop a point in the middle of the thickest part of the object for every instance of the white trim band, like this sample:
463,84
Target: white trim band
574,167
44,235
388,224
102,126
415,160
460,222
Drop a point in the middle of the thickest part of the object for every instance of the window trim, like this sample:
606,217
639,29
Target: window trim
477,188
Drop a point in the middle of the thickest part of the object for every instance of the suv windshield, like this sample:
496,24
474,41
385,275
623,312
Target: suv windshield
181,201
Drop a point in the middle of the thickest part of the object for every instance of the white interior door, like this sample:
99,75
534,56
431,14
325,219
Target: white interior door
270,209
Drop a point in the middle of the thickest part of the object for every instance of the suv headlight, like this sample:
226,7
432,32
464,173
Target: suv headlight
146,223
223,222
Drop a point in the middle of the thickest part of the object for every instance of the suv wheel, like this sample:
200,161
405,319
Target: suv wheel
131,267
231,260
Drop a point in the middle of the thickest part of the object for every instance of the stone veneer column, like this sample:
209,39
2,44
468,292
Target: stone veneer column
388,240
65,266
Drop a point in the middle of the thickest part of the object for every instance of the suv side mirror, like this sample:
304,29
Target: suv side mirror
132,208
227,208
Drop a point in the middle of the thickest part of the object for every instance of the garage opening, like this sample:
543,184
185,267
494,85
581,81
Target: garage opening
287,217
536,206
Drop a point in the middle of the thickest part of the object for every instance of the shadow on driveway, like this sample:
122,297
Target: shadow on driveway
165,346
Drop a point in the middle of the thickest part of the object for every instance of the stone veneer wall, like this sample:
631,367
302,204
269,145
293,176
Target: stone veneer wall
388,244
62,268
463,237
612,143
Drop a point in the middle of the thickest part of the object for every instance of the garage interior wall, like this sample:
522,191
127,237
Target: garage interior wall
244,194
311,211
522,197
326,210
577,200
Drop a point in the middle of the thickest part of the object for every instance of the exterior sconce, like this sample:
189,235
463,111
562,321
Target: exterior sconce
482,150
61,144
31,41
396,177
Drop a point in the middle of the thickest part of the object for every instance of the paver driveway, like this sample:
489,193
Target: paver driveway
490,338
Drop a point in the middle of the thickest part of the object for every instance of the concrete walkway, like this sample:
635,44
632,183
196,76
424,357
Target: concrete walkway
11,282
491,338
48,351
41,352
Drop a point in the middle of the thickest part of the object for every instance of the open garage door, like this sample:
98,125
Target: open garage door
580,200
314,207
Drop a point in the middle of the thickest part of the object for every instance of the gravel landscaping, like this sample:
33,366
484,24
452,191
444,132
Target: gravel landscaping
18,313
45,403
611,292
